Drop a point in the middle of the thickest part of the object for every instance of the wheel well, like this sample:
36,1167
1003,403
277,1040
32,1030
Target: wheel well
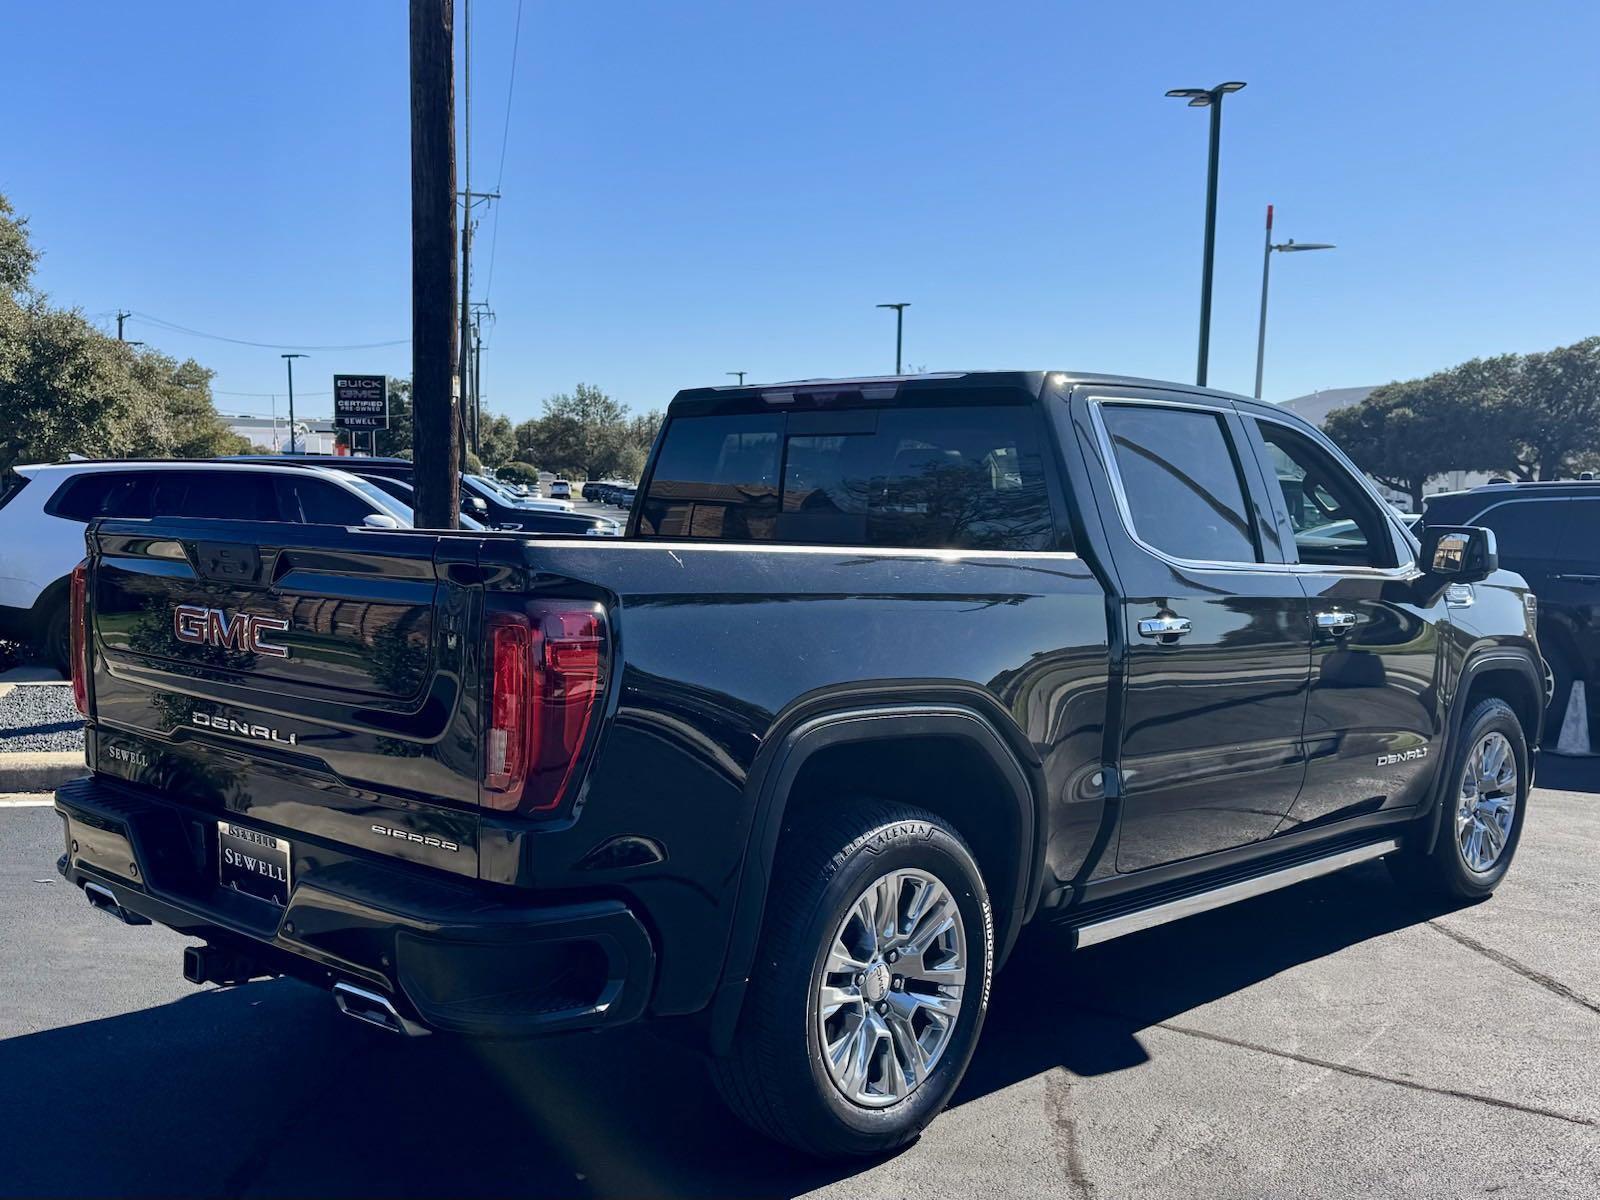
1512,686
947,776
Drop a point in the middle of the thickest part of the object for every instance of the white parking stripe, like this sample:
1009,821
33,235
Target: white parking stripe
26,799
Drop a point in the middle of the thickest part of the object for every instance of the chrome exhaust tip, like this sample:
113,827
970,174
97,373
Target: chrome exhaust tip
374,1009
103,900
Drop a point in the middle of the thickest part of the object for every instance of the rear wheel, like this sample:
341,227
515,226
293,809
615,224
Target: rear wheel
55,644
1484,809
870,986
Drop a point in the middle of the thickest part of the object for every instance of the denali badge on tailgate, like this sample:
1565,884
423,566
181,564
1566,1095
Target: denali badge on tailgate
201,626
222,724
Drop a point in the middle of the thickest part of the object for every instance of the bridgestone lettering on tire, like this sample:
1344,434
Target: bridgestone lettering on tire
870,984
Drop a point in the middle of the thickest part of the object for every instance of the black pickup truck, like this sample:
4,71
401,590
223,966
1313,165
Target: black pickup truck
883,670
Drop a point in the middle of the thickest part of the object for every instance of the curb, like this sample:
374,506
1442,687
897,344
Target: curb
40,772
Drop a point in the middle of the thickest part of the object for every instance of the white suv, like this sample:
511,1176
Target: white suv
44,508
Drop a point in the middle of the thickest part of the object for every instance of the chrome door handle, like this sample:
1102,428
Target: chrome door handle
1166,630
1335,622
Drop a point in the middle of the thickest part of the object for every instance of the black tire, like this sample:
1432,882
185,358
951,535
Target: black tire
55,638
775,1079
1445,874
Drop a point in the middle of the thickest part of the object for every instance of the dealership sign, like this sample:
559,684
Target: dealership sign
361,401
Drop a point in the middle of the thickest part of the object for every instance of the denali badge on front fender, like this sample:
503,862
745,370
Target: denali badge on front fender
1400,756
200,626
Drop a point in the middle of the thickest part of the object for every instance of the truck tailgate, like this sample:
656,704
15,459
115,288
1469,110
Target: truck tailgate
310,681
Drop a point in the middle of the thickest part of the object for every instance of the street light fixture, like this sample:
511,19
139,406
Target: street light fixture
740,374
1208,98
1266,272
899,328
288,361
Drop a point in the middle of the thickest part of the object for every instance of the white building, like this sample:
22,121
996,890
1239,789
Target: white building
315,437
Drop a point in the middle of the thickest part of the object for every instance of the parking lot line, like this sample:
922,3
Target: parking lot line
26,799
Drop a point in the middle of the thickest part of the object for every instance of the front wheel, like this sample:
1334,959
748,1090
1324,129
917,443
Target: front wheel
1485,804
870,986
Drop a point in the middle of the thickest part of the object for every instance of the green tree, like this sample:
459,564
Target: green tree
66,387
586,434
519,472
497,440
1547,407
1405,433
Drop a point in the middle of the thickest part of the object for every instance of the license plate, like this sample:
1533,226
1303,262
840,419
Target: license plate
253,862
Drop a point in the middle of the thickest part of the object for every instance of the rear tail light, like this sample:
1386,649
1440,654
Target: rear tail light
546,674
78,633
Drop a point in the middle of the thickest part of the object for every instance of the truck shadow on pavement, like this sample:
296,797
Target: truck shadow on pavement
265,1090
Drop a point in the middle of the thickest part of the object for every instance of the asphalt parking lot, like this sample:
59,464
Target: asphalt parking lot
1328,1041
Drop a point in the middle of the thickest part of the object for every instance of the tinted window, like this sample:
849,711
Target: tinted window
312,501
1182,482
1527,528
1336,522
103,494
214,495
961,478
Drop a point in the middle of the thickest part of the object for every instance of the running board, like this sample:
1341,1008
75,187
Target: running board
1187,906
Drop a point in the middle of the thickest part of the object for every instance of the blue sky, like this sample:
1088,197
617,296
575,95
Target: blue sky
693,188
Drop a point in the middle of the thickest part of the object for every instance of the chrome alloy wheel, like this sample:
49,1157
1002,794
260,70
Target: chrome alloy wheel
1487,804
889,989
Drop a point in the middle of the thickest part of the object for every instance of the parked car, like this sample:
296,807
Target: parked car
403,491
481,499
500,511
886,670
623,496
561,489
45,507
1549,533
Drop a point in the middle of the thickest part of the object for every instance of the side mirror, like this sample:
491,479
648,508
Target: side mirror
1459,553
476,505
380,521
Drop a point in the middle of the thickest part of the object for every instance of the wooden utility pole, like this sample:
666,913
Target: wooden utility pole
435,416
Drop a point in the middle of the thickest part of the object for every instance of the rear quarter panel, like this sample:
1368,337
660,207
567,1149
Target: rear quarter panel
713,643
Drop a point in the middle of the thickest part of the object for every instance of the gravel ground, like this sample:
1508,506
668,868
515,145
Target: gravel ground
39,717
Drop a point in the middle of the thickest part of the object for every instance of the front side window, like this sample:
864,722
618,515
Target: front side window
948,478
1336,522
1182,482
312,501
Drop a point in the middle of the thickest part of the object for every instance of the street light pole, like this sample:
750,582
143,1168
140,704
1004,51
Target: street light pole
288,361
1266,274
899,328
1208,98
740,374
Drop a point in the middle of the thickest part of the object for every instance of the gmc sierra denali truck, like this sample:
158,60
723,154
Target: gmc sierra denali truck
883,670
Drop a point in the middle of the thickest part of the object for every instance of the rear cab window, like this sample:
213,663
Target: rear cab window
935,474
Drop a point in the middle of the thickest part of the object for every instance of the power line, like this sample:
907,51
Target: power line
505,136
217,337
511,86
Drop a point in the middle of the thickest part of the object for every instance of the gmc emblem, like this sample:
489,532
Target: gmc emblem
200,626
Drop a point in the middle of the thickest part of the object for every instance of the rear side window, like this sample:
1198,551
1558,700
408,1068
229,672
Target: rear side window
1181,480
103,494
947,477
312,501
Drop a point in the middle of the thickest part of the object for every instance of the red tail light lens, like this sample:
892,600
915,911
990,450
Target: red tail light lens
546,673
78,633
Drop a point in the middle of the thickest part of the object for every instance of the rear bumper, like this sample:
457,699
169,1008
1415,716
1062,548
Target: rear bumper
449,955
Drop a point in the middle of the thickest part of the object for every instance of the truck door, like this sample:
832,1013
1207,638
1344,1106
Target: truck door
1374,724
1218,645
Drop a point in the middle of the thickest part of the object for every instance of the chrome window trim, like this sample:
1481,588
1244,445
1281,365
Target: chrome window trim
1406,570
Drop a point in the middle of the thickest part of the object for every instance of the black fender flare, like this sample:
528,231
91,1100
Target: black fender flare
807,731
1497,658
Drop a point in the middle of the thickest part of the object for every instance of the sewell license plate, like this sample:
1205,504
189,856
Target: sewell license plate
253,862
